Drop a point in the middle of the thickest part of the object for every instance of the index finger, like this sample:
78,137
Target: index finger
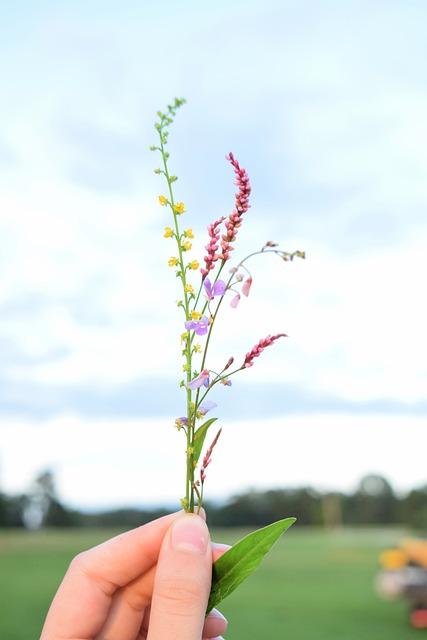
83,600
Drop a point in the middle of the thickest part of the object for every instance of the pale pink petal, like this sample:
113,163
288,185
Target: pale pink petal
235,301
246,287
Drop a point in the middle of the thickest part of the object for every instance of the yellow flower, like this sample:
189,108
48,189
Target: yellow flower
168,232
197,348
188,233
179,207
172,262
185,367
189,288
163,200
186,246
193,265
195,315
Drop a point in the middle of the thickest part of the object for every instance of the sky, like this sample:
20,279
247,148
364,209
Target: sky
324,104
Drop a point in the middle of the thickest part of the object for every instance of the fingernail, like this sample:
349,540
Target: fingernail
219,546
190,534
217,614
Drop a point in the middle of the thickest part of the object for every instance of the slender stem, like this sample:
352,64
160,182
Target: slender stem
218,379
190,429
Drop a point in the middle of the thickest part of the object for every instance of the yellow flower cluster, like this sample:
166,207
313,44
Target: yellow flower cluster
197,348
168,232
188,233
194,265
186,246
189,288
172,262
195,315
179,208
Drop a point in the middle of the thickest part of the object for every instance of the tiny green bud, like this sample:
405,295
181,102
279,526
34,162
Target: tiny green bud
173,178
157,171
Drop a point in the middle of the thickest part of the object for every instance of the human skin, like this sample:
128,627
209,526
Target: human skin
150,583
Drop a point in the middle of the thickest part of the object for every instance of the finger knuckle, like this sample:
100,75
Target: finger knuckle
78,562
181,596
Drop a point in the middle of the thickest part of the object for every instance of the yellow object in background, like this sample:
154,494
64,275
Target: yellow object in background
393,559
416,551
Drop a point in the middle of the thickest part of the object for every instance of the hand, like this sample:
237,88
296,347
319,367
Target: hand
151,583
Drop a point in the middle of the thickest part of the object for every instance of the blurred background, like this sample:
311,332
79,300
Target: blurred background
324,104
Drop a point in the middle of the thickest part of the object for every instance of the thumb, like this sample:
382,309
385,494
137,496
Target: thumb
182,583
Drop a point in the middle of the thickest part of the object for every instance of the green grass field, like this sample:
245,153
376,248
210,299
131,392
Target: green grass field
314,584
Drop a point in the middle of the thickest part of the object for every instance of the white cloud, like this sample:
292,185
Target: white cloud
119,462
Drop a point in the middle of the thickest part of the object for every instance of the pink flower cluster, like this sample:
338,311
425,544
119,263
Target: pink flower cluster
232,223
259,348
241,206
212,256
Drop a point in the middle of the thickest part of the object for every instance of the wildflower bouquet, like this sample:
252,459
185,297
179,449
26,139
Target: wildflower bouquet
201,301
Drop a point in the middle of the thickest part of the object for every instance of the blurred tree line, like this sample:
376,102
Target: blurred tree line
374,502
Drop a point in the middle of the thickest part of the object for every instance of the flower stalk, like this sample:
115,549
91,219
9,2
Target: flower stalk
201,310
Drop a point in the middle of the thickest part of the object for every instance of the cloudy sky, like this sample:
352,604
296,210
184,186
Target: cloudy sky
324,104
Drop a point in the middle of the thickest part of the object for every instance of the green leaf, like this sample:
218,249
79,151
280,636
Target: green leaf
199,438
242,559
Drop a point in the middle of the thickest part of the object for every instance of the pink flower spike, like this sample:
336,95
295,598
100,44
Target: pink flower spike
235,301
241,205
246,287
256,351
212,248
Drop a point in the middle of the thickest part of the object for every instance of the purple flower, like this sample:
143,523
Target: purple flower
181,422
202,379
206,406
218,289
200,326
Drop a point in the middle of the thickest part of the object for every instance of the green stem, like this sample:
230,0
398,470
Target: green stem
189,493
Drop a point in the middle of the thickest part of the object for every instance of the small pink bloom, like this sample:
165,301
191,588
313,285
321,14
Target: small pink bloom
235,301
256,351
229,363
247,286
